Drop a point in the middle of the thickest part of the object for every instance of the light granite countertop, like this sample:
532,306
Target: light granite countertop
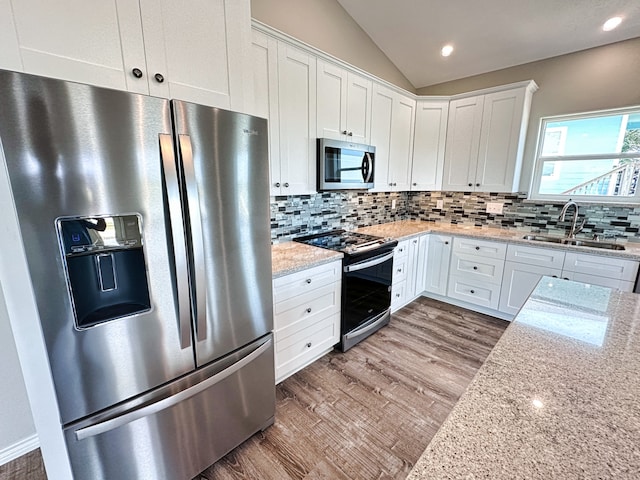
557,398
291,257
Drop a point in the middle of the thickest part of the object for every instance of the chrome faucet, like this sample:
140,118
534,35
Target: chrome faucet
574,227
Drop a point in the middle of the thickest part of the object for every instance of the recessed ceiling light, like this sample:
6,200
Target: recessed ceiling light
446,50
612,23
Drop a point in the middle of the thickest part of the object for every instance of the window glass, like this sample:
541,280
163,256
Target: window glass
589,156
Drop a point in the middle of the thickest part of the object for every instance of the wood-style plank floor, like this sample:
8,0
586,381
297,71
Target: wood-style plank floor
365,414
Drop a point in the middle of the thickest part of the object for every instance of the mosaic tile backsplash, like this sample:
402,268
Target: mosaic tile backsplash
305,214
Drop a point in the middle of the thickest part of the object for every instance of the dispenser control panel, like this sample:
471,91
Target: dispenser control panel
91,234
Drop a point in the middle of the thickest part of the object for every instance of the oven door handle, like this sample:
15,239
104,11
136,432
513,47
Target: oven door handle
373,323
370,263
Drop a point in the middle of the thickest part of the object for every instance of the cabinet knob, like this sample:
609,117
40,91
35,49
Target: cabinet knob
308,280
344,132
415,241
446,243
399,270
137,72
397,295
554,276
309,345
391,184
286,185
475,268
277,184
309,310
472,291
471,184
394,184
477,184
350,134
477,248
159,77
565,278
415,184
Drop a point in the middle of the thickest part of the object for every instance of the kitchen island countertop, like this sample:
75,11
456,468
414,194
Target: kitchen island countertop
291,257
558,397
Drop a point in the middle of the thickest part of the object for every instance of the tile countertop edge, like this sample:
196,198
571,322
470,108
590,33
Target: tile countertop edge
406,229
569,414
292,257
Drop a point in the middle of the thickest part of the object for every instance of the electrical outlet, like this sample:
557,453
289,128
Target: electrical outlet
393,204
495,207
440,204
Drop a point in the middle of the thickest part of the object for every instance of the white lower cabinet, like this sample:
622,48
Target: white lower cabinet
603,271
306,317
409,263
399,277
436,273
475,272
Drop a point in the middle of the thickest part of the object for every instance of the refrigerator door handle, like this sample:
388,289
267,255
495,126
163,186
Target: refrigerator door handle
197,237
177,237
153,408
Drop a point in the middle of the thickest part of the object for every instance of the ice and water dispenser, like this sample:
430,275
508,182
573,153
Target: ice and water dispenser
105,267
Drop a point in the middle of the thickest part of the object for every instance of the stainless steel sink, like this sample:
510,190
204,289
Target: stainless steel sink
593,244
544,238
574,241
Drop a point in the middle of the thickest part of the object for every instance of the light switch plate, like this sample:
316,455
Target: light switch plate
393,204
440,204
495,207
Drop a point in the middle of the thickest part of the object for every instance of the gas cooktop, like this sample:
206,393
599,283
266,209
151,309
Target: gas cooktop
344,241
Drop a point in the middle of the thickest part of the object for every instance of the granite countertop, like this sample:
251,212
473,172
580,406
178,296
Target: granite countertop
291,257
557,398
404,229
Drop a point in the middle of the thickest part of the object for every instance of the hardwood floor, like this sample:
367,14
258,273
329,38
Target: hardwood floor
368,413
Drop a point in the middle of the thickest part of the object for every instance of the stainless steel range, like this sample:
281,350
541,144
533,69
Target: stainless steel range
366,281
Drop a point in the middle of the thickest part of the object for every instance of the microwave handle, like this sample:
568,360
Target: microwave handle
367,167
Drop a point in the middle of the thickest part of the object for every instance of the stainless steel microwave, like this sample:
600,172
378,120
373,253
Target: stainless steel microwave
345,165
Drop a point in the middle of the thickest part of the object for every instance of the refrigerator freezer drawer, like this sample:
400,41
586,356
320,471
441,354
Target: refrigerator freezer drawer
179,435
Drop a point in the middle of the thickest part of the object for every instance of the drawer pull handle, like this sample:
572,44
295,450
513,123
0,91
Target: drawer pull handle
475,268
309,345
473,291
308,280
309,310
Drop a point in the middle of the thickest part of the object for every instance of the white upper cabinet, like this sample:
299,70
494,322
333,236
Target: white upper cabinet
9,50
264,58
195,51
429,144
344,104
485,140
392,128
294,172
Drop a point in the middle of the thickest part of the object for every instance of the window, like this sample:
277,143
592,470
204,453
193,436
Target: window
593,156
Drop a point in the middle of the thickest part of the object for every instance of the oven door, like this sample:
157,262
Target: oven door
366,294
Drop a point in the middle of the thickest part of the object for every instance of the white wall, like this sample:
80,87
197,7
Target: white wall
594,79
325,25
16,425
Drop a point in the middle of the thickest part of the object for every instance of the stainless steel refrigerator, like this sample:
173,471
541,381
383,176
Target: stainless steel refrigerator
146,227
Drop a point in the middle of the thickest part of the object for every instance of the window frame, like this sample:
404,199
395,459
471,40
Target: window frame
539,160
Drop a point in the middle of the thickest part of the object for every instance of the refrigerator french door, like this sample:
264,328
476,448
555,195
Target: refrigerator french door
148,249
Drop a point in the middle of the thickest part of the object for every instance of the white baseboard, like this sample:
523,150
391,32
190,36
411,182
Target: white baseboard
18,449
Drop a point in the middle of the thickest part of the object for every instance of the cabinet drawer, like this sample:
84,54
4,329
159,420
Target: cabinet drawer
541,257
401,250
617,268
398,294
484,294
482,248
310,305
477,269
399,269
296,351
600,281
305,281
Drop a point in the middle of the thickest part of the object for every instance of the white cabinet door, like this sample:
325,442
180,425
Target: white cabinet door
518,281
416,266
437,264
428,144
200,48
401,151
344,104
297,116
392,128
10,50
264,56
500,142
462,144
358,104
332,97
94,42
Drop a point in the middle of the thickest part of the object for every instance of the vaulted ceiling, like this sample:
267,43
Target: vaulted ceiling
487,35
